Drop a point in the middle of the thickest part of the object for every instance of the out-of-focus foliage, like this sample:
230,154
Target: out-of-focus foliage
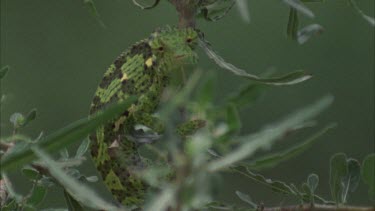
196,161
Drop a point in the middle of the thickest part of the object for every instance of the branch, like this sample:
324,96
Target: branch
316,207
186,12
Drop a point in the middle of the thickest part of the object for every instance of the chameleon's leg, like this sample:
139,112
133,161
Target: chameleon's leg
190,127
150,121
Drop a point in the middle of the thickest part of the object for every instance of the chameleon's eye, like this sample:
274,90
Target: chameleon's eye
161,48
189,40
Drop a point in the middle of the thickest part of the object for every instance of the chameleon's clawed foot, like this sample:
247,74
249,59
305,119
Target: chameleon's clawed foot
143,137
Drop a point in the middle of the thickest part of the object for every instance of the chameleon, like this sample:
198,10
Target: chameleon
144,70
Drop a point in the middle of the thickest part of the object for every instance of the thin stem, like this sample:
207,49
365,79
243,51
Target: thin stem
316,207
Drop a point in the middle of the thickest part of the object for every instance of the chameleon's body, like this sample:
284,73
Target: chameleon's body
142,71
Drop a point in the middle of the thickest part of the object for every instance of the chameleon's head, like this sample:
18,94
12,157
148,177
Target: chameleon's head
175,45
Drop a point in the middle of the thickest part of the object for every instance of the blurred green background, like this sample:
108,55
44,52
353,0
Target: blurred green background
58,53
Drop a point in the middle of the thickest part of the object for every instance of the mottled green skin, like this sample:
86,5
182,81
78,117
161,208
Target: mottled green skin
143,71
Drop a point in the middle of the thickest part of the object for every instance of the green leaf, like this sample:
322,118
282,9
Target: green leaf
368,174
72,204
4,71
369,19
64,153
47,182
206,93
243,9
300,7
17,119
266,137
233,119
307,191
75,173
351,181
163,200
274,159
94,12
292,27
313,1
310,187
156,2
216,10
83,147
65,136
312,182
307,32
338,170
246,198
92,179
30,117
276,186
247,95
10,206
37,196
30,173
77,190
287,79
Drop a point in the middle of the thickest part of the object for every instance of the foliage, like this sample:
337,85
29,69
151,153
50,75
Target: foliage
195,161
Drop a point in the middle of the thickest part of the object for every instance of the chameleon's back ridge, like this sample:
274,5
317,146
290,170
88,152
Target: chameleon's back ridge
143,71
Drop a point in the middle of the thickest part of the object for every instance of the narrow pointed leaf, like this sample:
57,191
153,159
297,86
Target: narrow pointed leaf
246,198
83,147
76,189
217,10
233,119
266,137
300,7
287,79
368,174
307,32
163,200
94,12
30,117
136,2
92,179
247,95
243,9
65,136
369,19
73,205
274,159
3,71
64,153
206,93
293,23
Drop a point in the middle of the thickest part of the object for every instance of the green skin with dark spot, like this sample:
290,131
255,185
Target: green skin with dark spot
144,71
